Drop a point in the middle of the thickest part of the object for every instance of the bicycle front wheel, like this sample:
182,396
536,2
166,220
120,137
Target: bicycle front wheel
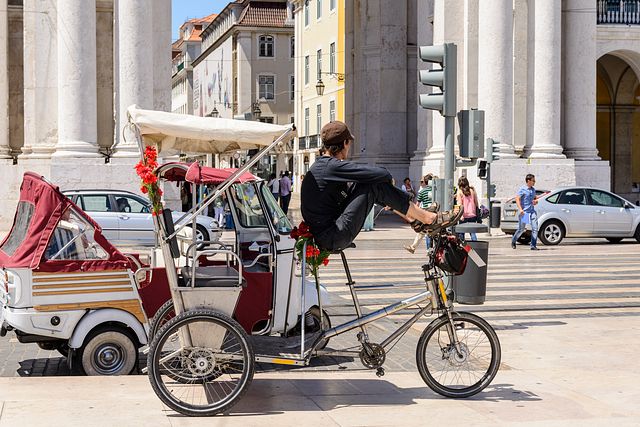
200,363
460,372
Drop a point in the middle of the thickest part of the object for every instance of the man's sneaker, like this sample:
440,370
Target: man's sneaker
534,248
513,245
409,249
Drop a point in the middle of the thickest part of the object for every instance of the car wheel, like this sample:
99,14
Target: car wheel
614,239
637,234
551,233
201,234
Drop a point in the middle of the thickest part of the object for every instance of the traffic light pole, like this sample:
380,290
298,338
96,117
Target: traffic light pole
449,159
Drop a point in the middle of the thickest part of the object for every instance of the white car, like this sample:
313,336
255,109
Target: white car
581,212
125,217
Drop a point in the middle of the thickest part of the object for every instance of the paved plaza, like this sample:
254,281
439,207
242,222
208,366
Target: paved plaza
567,317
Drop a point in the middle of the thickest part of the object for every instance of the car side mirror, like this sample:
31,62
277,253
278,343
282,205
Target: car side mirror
628,206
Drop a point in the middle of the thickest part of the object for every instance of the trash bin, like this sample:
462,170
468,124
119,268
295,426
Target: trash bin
471,287
494,218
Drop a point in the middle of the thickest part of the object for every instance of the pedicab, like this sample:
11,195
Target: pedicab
202,361
64,287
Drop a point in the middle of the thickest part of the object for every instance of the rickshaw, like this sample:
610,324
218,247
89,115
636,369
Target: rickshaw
64,287
202,361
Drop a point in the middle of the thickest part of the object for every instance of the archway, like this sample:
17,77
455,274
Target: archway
618,120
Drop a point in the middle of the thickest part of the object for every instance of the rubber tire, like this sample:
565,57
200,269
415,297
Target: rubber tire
637,234
154,371
525,239
315,312
496,355
542,237
614,239
156,322
113,335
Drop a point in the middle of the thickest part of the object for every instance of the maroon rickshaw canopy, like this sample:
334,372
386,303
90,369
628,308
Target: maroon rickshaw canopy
197,174
46,204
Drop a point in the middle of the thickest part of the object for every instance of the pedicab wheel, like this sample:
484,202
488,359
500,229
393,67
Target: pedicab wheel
165,313
462,373
108,351
207,377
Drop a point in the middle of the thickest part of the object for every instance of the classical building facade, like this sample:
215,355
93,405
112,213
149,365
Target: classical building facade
183,52
68,71
320,74
246,68
558,81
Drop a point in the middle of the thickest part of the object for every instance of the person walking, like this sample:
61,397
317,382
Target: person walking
285,192
526,200
274,186
425,201
337,194
468,199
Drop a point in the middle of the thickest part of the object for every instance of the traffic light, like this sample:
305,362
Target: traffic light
491,190
482,169
491,150
444,78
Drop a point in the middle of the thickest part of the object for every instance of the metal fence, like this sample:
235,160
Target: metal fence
625,12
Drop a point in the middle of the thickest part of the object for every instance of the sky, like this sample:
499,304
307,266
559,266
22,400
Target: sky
181,10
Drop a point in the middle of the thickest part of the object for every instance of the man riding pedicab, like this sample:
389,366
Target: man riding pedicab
337,194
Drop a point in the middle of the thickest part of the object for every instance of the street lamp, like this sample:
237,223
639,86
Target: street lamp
255,109
320,87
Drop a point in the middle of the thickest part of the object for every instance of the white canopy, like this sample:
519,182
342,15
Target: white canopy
180,133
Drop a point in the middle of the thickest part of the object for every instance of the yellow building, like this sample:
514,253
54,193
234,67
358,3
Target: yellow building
319,75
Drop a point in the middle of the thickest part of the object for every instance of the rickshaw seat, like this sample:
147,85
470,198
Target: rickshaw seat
221,276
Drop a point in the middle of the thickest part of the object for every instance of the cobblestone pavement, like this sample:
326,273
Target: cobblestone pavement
577,279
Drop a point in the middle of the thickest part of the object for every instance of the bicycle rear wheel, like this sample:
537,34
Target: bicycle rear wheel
458,374
208,376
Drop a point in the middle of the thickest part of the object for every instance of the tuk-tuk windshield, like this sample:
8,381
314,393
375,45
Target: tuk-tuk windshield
73,239
279,220
248,206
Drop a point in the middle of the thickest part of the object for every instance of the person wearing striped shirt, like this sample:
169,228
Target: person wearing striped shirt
425,201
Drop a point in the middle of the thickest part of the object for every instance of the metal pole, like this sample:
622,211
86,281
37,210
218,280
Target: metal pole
449,160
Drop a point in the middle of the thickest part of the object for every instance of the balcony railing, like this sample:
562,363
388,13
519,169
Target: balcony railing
625,12
310,142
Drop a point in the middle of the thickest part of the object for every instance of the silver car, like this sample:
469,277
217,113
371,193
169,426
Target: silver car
585,212
125,218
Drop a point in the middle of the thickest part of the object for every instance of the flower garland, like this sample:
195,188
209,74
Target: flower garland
314,256
145,170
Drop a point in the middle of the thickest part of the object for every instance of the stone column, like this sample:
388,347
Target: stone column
77,108
135,65
161,51
495,71
579,61
546,82
5,150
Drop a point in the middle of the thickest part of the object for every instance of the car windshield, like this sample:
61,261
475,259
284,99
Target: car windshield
279,219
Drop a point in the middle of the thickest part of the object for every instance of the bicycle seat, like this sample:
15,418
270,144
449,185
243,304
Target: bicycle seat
220,276
351,246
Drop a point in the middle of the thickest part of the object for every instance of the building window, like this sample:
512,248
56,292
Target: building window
266,120
319,63
318,118
332,111
332,4
265,46
292,88
306,13
292,47
306,121
266,87
306,70
318,9
332,58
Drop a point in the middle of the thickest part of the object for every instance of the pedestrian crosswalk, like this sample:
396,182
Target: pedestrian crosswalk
576,277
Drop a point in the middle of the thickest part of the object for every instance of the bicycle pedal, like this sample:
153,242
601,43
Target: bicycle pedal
380,372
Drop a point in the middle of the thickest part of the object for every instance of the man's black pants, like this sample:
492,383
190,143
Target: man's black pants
284,202
357,207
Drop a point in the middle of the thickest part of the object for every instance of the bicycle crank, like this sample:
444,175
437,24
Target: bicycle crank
372,355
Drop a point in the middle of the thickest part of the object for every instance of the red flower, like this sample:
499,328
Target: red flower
144,189
325,261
